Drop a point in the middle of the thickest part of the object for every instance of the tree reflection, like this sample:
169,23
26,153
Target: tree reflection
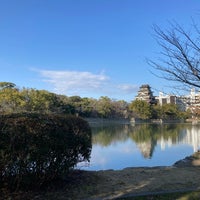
106,135
146,136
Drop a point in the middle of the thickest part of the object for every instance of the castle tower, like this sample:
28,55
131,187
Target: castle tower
145,94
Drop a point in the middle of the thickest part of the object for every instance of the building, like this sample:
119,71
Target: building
170,99
166,99
145,94
191,101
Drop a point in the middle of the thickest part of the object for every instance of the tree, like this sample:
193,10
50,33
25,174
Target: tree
11,100
4,85
75,101
120,109
141,108
104,107
86,108
167,111
40,101
180,53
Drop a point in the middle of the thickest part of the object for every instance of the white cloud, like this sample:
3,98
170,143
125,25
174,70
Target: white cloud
128,88
83,83
71,81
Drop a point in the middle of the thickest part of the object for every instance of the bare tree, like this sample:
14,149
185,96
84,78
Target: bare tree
179,59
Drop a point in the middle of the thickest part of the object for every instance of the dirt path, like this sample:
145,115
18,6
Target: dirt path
128,182
135,181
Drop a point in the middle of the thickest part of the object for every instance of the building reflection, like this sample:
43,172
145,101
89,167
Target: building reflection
186,136
146,149
189,136
193,137
148,136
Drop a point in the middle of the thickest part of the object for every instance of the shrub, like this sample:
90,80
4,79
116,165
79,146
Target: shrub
39,148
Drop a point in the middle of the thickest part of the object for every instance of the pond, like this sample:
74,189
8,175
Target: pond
118,146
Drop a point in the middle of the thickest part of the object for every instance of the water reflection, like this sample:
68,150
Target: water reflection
116,146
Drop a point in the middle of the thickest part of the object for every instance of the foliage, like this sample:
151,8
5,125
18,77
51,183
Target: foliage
167,111
104,107
35,149
39,101
4,85
13,100
142,109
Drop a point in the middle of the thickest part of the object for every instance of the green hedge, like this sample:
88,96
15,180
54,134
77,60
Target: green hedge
39,148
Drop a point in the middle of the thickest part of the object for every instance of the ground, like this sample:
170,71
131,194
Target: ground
184,175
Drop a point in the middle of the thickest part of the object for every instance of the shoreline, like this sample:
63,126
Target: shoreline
183,175
105,121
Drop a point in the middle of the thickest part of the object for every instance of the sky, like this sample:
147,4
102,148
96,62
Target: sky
89,48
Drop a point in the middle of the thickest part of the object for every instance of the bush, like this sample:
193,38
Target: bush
40,148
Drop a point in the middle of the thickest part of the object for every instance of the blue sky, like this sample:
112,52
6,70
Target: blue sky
89,48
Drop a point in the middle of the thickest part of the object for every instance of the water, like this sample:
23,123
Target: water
117,146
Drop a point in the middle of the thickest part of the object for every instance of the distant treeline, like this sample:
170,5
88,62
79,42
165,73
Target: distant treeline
14,100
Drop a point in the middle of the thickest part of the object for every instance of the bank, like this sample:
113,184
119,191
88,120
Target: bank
104,121
183,176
